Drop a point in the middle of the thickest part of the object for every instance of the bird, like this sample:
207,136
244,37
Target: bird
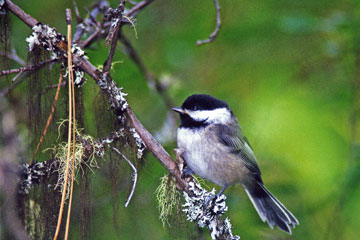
215,148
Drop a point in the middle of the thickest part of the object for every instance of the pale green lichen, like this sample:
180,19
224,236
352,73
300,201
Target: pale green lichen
60,151
132,23
168,199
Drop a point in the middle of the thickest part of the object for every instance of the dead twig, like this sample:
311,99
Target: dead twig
113,35
27,68
134,175
22,72
49,87
11,87
91,38
105,25
132,12
80,29
77,13
214,34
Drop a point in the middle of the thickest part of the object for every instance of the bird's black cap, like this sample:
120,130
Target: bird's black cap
203,102
198,102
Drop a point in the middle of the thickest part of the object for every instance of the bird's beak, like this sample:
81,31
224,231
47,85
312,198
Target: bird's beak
179,110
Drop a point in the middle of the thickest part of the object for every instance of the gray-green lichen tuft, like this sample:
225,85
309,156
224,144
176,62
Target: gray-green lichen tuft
168,199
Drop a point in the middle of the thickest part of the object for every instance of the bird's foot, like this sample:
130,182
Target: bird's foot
209,200
187,172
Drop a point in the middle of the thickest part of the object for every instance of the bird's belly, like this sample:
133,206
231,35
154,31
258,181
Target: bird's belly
207,160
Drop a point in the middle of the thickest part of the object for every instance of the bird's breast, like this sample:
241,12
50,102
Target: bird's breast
194,144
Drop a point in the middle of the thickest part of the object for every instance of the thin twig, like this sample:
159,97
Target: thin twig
113,35
77,13
18,79
132,12
81,25
104,31
134,174
213,35
91,38
106,25
15,70
17,76
49,87
27,68
132,2
11,87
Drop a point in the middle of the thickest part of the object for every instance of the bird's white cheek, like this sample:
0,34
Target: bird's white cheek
217,116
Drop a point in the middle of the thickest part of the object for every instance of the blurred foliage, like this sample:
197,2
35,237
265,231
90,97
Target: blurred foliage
290,70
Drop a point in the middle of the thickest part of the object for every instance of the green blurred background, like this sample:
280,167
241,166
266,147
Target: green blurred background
290,72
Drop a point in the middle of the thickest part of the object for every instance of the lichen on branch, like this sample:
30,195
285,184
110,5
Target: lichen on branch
205,208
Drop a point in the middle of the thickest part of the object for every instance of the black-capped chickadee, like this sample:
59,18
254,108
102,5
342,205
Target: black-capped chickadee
216,149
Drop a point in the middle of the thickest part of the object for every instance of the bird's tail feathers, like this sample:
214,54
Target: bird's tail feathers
270,209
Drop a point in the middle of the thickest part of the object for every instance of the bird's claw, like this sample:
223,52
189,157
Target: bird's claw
187,172
210,199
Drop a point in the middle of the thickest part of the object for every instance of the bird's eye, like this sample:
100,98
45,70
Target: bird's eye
195,108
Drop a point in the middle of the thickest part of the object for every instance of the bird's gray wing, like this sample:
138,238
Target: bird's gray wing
236,143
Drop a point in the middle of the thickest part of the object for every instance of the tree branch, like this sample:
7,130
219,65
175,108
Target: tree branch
26,18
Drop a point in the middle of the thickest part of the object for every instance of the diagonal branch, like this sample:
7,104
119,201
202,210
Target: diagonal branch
26,18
